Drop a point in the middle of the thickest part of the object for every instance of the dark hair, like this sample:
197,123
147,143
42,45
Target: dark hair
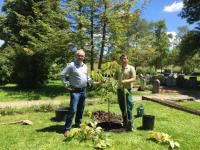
123,55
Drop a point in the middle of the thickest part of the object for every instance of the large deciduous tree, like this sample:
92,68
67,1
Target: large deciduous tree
161,45
191,11
37,32
190,43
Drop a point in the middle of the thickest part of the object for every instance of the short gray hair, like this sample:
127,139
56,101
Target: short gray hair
80,51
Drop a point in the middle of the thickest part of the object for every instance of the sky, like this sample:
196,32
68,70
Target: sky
157,10
167,10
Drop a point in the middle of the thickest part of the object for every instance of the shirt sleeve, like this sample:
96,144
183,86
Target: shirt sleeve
133,72
66,71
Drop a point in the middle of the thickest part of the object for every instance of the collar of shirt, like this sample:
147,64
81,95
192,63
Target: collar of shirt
77,64
125,67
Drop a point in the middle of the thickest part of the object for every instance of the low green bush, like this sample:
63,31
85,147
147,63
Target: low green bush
146,70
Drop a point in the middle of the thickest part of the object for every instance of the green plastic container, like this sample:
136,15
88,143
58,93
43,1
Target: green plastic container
140,111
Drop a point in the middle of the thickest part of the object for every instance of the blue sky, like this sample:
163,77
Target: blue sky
154,11
168,10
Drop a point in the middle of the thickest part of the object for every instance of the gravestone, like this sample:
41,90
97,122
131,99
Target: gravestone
180,81
142,84
171,81
192,82
156,86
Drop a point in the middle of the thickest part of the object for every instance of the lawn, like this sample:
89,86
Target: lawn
187,77
47,134
191,104
54,90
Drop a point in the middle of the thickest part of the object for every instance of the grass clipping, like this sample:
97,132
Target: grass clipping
93,133
164,138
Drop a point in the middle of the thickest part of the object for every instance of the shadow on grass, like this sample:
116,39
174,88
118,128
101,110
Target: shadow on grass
54,128
54,119
141,128
50,90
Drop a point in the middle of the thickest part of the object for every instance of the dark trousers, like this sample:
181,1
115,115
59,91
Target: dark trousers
127,116
77,105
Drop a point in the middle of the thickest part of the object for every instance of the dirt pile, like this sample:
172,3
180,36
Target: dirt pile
108,121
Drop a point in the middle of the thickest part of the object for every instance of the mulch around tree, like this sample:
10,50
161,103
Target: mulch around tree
108,121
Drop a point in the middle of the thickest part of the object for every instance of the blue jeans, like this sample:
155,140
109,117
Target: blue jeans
77,105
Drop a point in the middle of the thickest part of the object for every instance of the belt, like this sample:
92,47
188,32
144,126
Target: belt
78,89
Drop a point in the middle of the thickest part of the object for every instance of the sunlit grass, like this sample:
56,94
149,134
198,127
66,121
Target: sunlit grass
47,134
53,90
191,104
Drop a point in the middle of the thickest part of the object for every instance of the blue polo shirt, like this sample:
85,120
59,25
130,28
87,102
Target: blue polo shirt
77,73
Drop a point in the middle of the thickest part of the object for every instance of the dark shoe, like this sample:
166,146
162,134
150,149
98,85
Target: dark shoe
128,127
75,126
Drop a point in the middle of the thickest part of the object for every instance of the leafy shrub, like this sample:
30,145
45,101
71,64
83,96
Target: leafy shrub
141,70
93,133
33,96
5,72
30,70
14,111
151,71
187,69
54,71
6,66
44,108
144,70
164,138
7,111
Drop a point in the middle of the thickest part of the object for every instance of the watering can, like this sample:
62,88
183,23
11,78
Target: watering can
140,111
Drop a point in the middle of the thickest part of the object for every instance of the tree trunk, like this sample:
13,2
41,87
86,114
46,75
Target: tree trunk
103,39
92,40
80,25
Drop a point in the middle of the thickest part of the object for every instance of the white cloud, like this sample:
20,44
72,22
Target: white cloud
1,42
175,6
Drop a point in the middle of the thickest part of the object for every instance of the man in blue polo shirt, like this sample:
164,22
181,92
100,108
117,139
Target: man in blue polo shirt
76,84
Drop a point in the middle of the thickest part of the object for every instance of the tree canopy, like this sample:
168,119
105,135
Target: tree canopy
34,31
189,45
42,34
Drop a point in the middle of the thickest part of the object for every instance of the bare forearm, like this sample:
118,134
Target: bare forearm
128,80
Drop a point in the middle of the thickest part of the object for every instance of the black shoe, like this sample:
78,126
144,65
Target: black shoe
76,126
129,129
128,126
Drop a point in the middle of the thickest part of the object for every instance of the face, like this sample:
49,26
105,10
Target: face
124,60
80,57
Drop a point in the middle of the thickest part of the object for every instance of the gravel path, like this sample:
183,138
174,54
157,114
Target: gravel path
46,102
30,103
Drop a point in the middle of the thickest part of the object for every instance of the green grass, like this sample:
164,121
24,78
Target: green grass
47,134
188,76
191,104
53,90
